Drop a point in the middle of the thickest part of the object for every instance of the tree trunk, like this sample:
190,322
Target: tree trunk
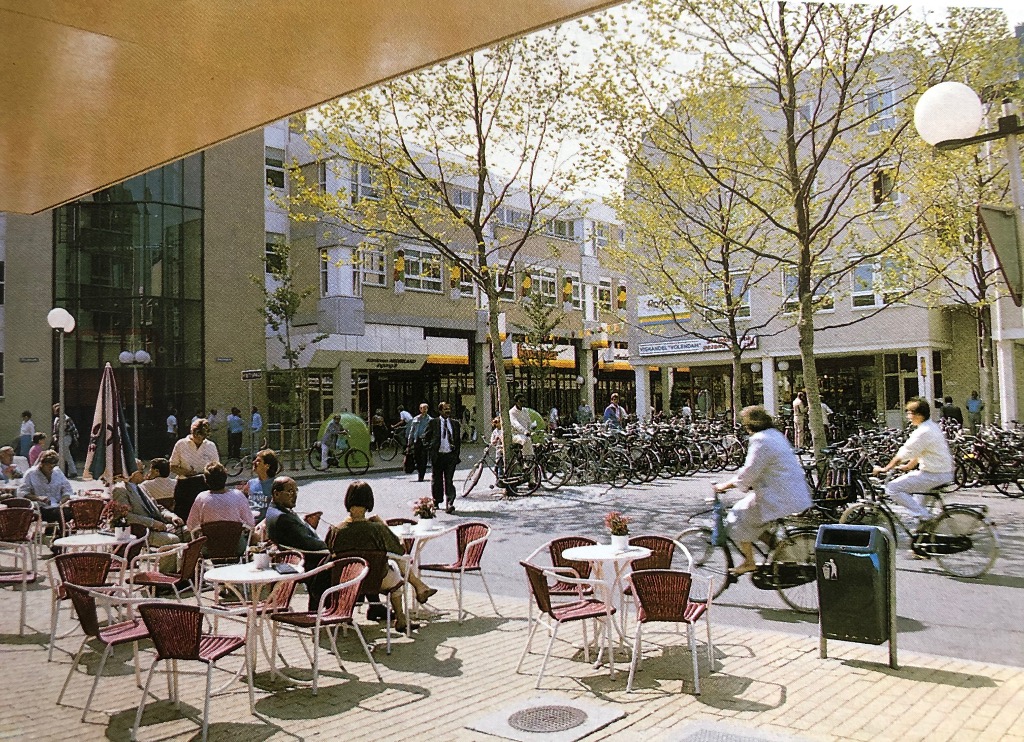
985,385
737,355
805,326
499,372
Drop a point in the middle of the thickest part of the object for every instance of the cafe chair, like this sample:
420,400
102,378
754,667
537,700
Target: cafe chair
662,595
130,631
16,545
663,551
407,541
38,527
187,576
470,541
552,616
86,514
83,568
560,565
177,633
335,610
226,541
372,591
125,552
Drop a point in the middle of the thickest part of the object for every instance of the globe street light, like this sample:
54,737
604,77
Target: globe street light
134,358
60,319
948,116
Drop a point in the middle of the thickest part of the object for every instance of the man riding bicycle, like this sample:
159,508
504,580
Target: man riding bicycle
927,461
333,435
774,478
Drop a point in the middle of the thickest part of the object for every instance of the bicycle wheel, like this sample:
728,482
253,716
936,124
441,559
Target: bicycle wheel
472,477
869,514
234,467
984,543
709,561
315,458
522,477
356,461
557,470
798,549
1012,489
388,449
735,455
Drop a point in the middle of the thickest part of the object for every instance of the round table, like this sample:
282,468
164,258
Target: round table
86,541
420,536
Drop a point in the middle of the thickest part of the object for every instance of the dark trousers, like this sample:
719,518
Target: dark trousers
186,490
235,445
442,478
419,452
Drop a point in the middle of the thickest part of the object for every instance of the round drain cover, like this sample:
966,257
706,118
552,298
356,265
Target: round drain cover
547,719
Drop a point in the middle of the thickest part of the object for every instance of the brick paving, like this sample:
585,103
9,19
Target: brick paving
764,683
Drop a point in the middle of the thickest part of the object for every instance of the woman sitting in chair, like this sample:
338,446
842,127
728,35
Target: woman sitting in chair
360,533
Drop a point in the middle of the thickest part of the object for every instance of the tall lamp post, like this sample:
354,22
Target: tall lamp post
60,319
134,359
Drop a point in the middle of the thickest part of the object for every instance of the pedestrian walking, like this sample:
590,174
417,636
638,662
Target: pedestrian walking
974,407
28,429
66,446
416,430
172,428
443,441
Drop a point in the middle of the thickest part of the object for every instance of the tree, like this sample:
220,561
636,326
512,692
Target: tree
471,158
820,145
542,318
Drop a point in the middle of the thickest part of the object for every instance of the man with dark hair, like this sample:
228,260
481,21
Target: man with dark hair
925,458
951,412
158,483
443,441
286,529
46,484
219,502
415,431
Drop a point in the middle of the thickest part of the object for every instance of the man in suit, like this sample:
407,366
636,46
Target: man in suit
417,430
286,529
443,442
164,526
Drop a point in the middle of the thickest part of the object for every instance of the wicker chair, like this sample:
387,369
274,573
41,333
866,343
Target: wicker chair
335,609
177,633
86,514
16,544
188,575
224,541
578,610
370,588
407,543
83,568
470,541
662,595
130,631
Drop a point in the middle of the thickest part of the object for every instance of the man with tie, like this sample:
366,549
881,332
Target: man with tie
417,430
443,441
164,526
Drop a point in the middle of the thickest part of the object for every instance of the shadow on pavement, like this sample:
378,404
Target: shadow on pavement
926,674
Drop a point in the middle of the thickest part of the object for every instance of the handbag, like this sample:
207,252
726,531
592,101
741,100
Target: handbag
410,463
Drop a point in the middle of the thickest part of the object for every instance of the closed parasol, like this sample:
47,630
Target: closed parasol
111,453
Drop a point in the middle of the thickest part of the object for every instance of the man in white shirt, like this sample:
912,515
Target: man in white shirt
443,441
188,460
522,425
927,461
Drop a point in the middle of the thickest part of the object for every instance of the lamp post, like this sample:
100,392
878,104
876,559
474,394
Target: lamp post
948,117
60,319
134,358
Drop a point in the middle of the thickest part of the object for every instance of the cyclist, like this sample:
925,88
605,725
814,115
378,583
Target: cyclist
774,478
332,437
926,459
522,425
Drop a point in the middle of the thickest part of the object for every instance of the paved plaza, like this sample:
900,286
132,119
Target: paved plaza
768,681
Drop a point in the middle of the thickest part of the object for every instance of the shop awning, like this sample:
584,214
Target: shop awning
93,93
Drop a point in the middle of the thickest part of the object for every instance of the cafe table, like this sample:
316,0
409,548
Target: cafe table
240,577
90,541
421,534
611,565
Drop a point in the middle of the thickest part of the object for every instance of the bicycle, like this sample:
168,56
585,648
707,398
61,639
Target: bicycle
356,461
389,447
785,550
963,542
521,475
236,465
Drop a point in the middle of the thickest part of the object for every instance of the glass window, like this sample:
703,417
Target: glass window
362,184
714,294
274,171
373,265
508,216
561,229
883,187
321,176
545,281
864,285
508,291
882,107
601,233
274,259
422,270
462,198
466,284
823,297
575,289
325,262
604,295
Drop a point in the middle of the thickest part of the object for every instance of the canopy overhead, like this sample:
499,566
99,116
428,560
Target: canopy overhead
92,93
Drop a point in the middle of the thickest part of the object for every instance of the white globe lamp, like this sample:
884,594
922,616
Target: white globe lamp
949,110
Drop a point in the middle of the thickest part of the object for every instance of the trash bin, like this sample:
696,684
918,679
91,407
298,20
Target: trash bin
856,585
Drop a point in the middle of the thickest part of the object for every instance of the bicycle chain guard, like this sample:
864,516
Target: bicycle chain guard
935,544
782,575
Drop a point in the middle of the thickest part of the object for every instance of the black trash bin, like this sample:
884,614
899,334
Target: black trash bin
856,585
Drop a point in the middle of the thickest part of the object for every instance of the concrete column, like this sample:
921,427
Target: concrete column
343,387
1006,368
667,378
768,384
587,367
643,392
925,375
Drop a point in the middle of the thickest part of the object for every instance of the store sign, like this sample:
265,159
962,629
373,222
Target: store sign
394,363
693,345
653,310
555,356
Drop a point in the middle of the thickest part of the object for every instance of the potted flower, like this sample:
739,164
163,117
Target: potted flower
118,513
618,526
260,555
425,509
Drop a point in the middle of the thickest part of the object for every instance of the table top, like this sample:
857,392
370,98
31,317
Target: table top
87,539
401,531
247,574
605,553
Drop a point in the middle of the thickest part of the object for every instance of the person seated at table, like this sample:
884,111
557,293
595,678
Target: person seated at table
164,526
218,503
47,485
359,533
8,470
286,529
158,483
37,448
259,489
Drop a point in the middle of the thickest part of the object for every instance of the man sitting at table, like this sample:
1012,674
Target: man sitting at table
8,470
163,525
218,503
360,533
47,485
158,483
286,529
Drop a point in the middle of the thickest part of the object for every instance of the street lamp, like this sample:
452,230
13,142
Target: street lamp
948,116
60,319
134,358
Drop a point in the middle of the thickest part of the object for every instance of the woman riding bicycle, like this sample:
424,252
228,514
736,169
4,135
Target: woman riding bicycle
774,478
333,435
928,461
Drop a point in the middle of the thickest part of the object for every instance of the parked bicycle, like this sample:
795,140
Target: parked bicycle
388,448
785,551
961,540
520,475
